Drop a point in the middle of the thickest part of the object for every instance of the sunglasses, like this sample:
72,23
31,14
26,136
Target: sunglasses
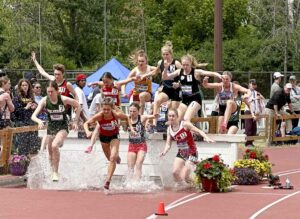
38,87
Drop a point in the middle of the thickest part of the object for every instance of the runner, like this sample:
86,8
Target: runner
65,88
187,156
142,91
57,130
107,120
227,92
170,89
189,81
137,148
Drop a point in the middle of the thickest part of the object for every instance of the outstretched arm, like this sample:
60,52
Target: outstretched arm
72,91
210,85
39,108
40,68
168,145
199,72
190,126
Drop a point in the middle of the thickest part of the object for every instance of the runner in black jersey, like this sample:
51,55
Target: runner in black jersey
170,88
189,79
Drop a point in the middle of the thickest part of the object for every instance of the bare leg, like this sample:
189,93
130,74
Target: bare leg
232,130
144,97
44,143
57,142
161,98
186,170
181,111
114,153
139,164
106,150
231,107
131,160
177,167
192,110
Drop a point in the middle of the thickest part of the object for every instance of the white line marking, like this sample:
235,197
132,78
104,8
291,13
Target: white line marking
288,173
153,216
183,202
285,171
257,193
178,200
273,203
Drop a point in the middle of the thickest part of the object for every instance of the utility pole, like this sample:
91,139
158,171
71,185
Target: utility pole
105,33
218,29
40,33
286,35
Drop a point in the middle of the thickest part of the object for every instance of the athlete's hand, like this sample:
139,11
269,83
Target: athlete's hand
162,154
209,140
175,85
41,124
75,126
33,56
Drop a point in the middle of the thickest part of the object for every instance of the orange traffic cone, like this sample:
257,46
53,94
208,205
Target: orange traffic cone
161,210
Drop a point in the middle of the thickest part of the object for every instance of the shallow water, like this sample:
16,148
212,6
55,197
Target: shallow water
81,171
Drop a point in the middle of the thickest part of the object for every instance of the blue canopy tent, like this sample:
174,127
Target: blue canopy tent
119,71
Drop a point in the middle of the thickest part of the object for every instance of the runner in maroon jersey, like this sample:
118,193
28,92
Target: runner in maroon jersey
107,120
64,88
187,156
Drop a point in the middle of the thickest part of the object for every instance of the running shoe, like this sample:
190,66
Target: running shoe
118,160
106,185
55,177
88,149
223,128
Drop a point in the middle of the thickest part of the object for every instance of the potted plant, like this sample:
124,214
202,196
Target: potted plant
214,175
255,159
18,164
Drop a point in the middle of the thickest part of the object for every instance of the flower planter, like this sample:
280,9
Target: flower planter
17,169
209,185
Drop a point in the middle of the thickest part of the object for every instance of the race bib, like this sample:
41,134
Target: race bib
186,90
141,88
57,117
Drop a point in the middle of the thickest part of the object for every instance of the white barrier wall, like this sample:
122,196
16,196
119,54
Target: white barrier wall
86,170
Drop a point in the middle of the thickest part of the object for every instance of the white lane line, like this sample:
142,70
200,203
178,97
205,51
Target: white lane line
153,216
188,200
258,193
178,200
288,173
285,171
271,204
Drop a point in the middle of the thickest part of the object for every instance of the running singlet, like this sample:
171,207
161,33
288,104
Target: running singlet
56,115
63,89
225,95
109,127
139,137
185,142
189,84
112,92
144,85
172,67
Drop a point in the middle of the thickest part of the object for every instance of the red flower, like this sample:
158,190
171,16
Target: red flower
253,155
248,150
216,158
207,166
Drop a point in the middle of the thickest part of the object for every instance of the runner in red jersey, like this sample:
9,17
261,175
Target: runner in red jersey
109,88
108,128
187,155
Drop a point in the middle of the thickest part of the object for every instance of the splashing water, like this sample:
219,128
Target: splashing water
80,171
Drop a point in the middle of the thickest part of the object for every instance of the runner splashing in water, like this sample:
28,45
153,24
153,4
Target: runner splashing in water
187,156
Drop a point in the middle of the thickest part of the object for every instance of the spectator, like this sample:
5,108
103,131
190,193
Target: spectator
27,142
92,94
295,99
276,84
256,103
6,105
80,82
275,105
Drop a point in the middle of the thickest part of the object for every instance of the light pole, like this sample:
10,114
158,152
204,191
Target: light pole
218,28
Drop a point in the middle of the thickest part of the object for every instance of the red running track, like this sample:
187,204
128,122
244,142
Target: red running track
243,202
